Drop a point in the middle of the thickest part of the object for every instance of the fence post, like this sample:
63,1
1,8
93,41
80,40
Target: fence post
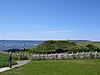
56,56
72,55
82,54
77,54
95,56
90,54
46,56
66,55
51,56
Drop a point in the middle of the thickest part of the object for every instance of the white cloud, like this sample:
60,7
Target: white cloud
46,32
36,26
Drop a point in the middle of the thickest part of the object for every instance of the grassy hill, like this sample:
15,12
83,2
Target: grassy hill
50,46
64,46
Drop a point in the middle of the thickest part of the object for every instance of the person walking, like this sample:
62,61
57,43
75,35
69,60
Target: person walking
10,60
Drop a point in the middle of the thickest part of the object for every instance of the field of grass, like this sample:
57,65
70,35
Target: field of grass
58,67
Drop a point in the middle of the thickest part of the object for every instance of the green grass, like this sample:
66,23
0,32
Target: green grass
58,67
52,46
86,43
4,60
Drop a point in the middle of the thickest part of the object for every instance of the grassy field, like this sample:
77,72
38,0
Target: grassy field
58,67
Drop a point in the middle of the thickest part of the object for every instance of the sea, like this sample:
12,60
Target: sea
18,44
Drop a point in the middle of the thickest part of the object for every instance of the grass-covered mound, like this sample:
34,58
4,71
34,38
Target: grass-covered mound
64,46
58,67
50,46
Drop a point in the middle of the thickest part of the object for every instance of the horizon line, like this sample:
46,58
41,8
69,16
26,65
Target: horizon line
46,39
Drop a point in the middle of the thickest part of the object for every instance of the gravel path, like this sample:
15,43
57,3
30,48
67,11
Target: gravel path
20,63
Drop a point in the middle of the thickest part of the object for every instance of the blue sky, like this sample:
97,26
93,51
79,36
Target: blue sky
50,19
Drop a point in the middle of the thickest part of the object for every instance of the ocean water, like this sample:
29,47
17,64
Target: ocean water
18,44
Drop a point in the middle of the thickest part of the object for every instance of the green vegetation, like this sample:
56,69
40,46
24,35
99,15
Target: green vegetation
97,44
58,67
64,46
4,60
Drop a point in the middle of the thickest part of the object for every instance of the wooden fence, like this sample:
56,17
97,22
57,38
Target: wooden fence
67,55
